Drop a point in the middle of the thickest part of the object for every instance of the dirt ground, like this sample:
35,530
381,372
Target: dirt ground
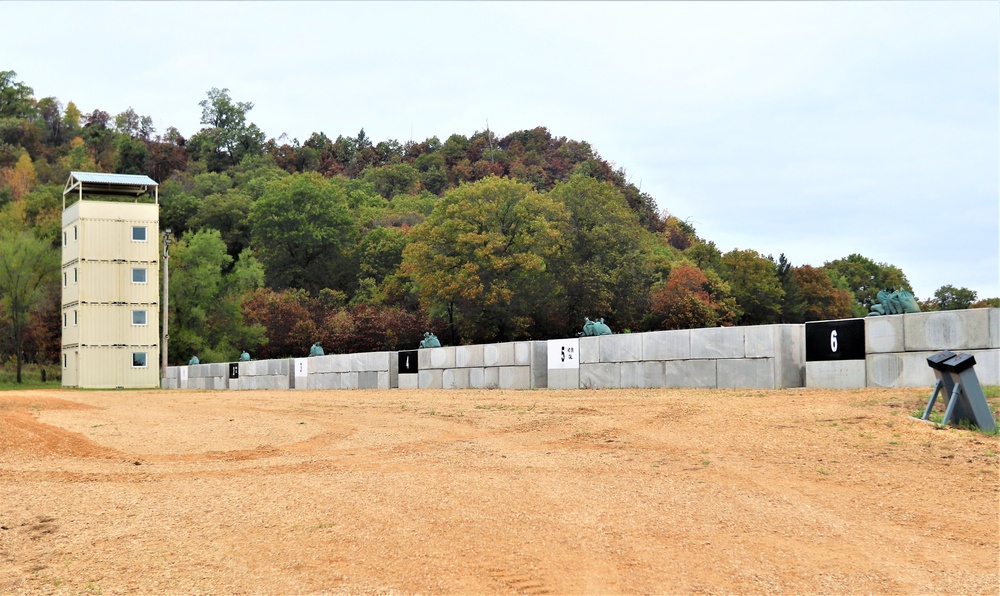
493,492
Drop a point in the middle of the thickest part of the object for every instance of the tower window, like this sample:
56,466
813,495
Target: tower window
138,360
139,275
138,317
139,233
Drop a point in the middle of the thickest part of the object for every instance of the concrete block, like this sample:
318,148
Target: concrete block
182,373
370,361
468,356
884,334
987,365
393,370
899,369
220,370
761,341
325,381
409,381
477,378
430,378
522,353
563,378
790,358
219,383
455,378
590,350
350,380
383,379
836,374
955,330
491,377
321,364
428,358
515,377
631,374
718,342
171,372
601,375
666,345
168,383
368,379
651,374
626,347
277,367
498,354
233,384
746,373
539,365
700,374
994,327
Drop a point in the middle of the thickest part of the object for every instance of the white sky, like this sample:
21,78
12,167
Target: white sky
816,129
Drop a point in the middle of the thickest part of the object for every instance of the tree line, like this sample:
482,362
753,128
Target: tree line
364,246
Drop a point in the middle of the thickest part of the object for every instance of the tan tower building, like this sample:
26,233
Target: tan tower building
110,281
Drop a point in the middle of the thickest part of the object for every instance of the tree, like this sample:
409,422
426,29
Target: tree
21,178
755,286
865,278
600,267
302,230
227,138
951,298
691,299
15,97
822,299
26,263
205,315
479,260
793,305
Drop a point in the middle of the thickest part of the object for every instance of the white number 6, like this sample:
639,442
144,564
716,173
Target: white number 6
833,340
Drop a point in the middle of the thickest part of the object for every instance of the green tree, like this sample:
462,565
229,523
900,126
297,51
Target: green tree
205,315
793,305
227,138
600,267
951,298
26,263
479,260
15,97
865,278
755,286
229,213
302,230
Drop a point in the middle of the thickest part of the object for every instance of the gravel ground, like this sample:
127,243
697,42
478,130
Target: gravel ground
493,492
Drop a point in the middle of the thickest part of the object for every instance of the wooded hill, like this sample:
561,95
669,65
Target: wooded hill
365,245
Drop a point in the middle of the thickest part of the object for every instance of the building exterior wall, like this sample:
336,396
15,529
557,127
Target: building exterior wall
108,316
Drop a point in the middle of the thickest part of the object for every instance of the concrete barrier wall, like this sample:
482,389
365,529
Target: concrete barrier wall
512,365
897,348
764,357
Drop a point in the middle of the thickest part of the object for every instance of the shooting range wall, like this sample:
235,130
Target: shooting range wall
896,348
883,351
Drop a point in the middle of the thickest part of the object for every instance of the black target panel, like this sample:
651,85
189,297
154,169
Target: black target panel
408,362
835,340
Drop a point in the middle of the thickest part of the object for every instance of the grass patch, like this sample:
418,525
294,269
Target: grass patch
31,377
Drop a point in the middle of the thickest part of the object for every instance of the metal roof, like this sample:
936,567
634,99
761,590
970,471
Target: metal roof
101,178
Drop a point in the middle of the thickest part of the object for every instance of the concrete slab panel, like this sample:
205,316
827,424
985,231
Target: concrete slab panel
491,377
994,327
515,377
383,379
652,374
790,361
371,361
522,353
323,381
718,342
631,374
910,369
698,374
477,378
498,354
884,334
590,350
836,374
349,380
368,379
666,345
955,330
428,358
626,347
601,375
746,373
409,381
430,378
321,364
761,341
563,378
455,378
539,365
469,356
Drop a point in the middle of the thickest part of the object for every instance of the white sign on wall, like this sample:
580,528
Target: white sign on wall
301,367
564,353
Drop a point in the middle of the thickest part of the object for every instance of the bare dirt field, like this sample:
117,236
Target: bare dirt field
492,492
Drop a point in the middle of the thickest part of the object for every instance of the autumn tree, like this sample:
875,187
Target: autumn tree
479,260
865,278
691,299
821,298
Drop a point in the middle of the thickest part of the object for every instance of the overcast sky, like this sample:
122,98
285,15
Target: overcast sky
814,129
